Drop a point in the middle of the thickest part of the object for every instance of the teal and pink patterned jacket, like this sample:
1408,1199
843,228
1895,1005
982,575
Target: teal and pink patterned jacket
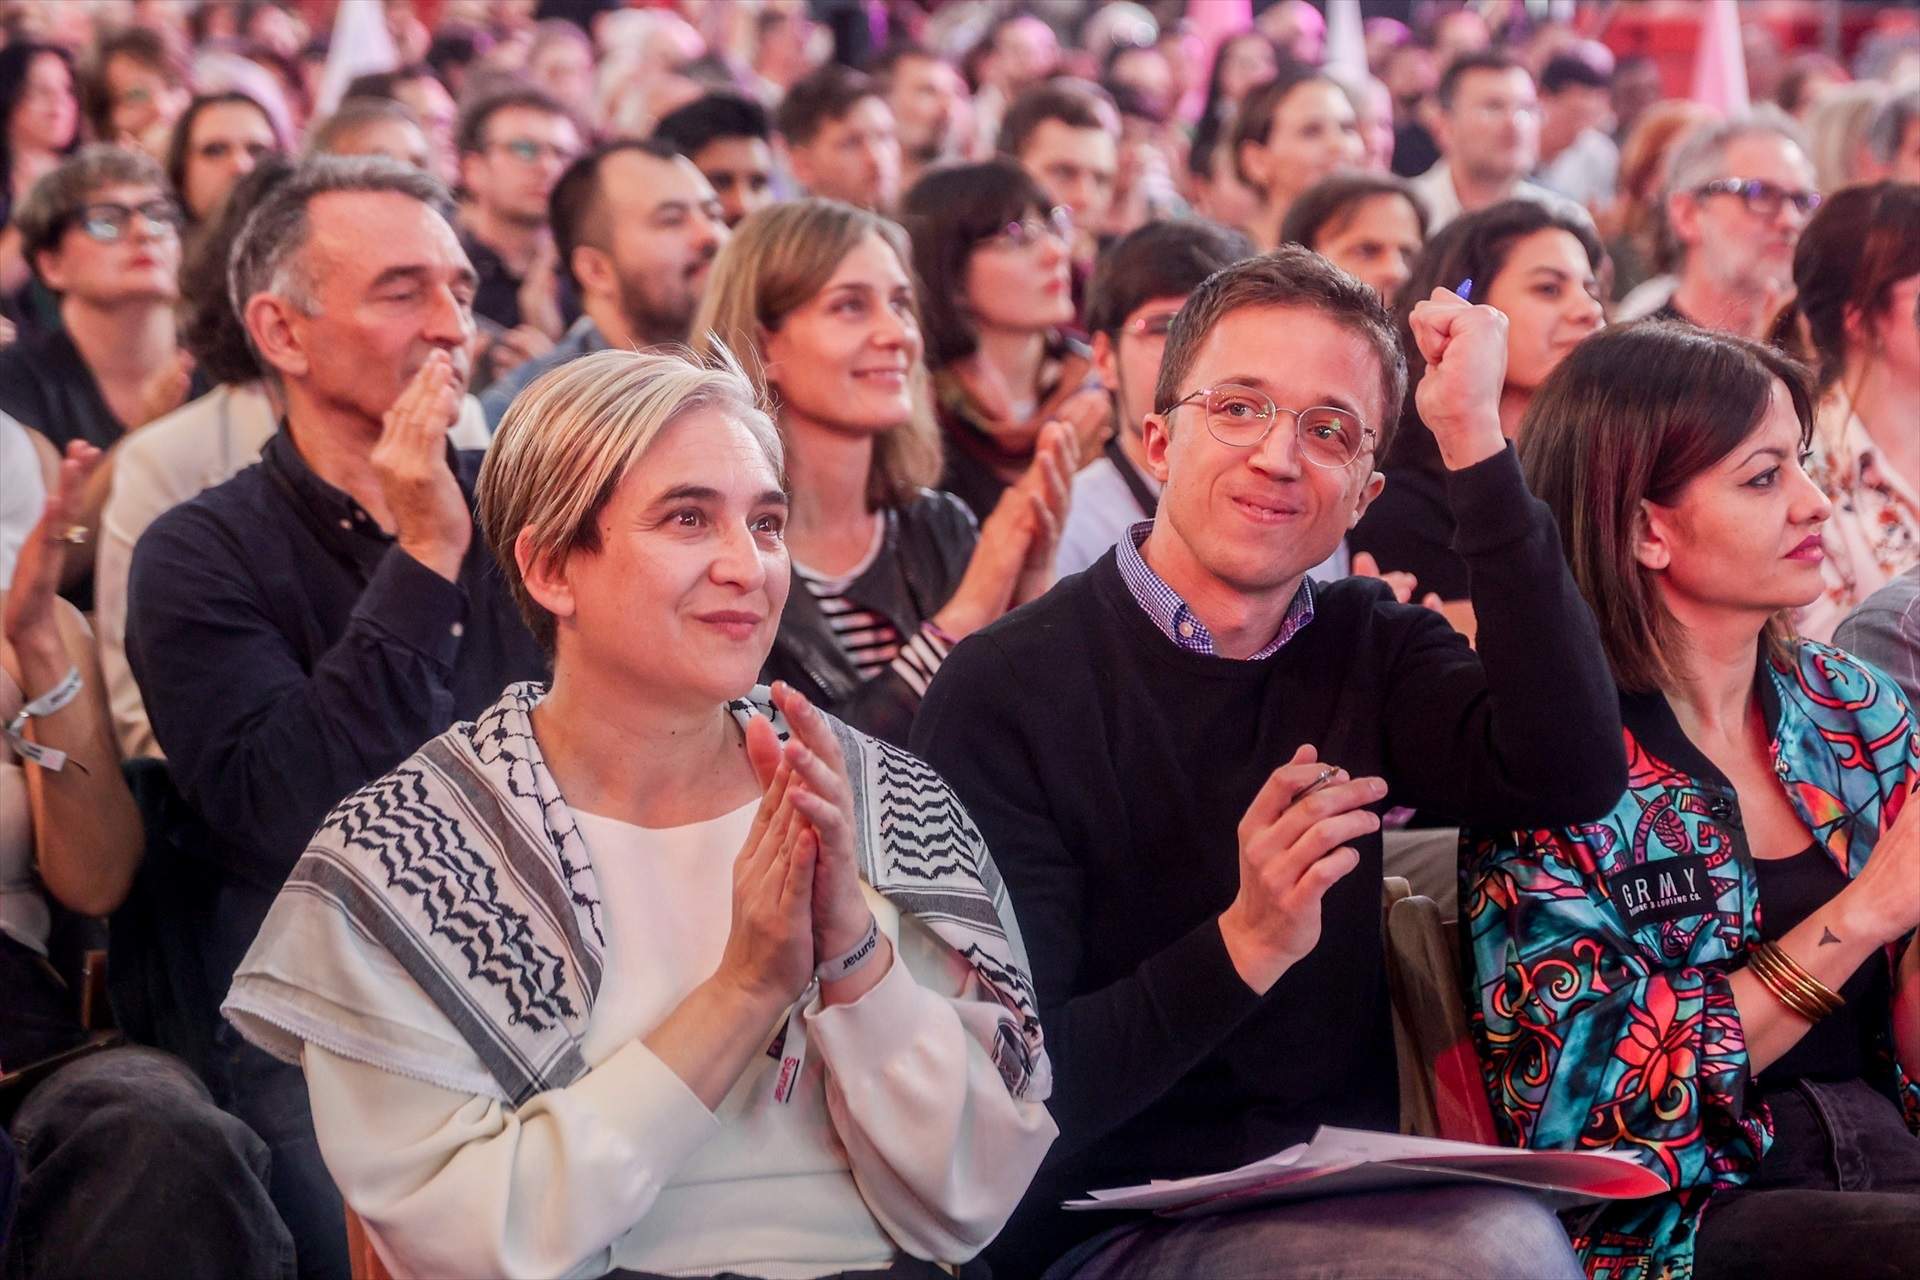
1597,956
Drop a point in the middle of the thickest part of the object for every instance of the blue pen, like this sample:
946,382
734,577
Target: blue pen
1465,289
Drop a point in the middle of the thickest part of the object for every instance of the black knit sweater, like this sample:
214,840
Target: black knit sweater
1108,770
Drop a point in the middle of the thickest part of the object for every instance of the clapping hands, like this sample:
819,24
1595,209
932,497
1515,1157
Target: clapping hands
797,897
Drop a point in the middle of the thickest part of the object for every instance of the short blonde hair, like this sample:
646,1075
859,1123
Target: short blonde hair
776,260
569,438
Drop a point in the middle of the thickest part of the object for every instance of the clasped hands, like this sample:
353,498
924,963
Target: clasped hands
796,884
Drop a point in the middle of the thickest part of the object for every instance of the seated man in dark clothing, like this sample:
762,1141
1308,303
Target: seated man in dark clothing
1205,937
514,144
300,629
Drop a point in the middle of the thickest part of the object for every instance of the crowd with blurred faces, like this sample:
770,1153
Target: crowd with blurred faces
765,637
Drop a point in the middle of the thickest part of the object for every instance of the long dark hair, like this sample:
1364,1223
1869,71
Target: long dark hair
1861,243
16,62
182,140
211,329
948,212
1473,247
1216,120
1633,414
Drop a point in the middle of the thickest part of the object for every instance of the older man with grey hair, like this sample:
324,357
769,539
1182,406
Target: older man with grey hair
300,629
1738,194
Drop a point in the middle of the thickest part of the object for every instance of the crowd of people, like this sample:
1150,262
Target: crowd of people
762,638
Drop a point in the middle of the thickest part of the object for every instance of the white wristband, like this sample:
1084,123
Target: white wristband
45,705
854,960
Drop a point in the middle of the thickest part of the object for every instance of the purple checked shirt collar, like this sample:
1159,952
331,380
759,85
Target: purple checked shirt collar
1181,624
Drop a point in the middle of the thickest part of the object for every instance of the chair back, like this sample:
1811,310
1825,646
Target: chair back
1442,1093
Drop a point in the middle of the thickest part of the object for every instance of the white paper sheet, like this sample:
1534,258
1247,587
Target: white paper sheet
1342,1161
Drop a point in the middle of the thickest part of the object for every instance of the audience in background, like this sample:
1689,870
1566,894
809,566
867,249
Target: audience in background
1885,631
1411,76
560,61
1370,225
1290,133
40,116
372,127
1487,125
417,89
307,624
991,259
1540,269
1738,193
102,233
1578,157
932,112
1639,242
513,144
1241,64
1714,961
1066,135
1017,52
1855,313
137,89
816,299
216,142
1837,136
1893,139
636,228
729,138
838,137
1141,283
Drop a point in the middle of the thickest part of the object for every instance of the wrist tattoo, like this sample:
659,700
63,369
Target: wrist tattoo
1827,935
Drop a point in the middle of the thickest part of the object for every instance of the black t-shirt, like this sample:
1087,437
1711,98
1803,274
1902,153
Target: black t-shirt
46,385
1837,1047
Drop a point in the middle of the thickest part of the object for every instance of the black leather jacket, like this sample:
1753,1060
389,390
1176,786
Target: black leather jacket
926,548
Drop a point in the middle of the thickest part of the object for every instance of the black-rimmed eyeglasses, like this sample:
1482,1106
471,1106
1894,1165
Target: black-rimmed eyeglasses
107,221
1763,199
1242,417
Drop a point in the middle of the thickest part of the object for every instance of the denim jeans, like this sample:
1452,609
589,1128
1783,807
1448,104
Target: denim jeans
127,1168
1486,1232
271,1096
1837,1195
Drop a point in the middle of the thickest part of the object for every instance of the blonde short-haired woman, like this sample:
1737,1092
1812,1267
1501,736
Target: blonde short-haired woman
817,298
655,970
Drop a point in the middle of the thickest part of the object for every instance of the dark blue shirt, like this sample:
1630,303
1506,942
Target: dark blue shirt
290,652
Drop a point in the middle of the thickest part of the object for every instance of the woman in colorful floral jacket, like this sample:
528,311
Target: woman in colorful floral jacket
1712,977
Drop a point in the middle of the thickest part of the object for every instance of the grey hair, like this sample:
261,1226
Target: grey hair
1701,155
1890,124
60,193
266,254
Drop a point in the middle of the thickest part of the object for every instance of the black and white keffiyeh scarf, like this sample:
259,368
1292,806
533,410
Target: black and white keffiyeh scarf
464,869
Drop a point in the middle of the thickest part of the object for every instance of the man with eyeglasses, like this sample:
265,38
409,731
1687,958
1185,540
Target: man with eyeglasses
1180,758
1738,195
1487,126
103,234
514,144
302,627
